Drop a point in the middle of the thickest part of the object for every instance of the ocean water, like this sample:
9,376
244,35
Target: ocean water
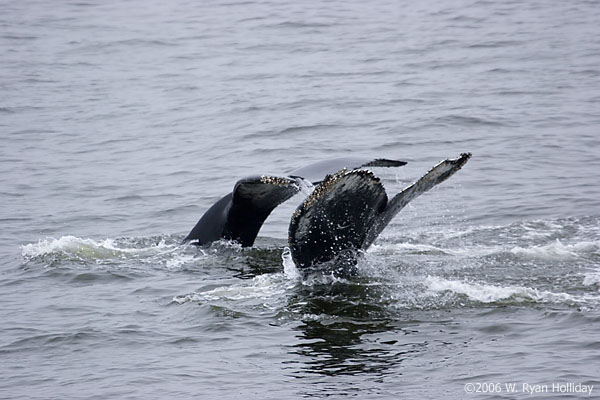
122,122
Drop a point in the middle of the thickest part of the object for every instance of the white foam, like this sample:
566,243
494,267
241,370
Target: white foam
424,249
90,250
557,250
552,251
404,247
177,262
476,291
69,244
289,268
265,288
485,293
592,278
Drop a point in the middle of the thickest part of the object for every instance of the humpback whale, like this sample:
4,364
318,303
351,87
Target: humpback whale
344,214
239,215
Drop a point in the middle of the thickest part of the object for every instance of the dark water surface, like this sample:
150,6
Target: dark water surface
122,122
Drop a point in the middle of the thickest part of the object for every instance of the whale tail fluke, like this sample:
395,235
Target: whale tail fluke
436,175
240,214
333,218
318,171
384,162
348,211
